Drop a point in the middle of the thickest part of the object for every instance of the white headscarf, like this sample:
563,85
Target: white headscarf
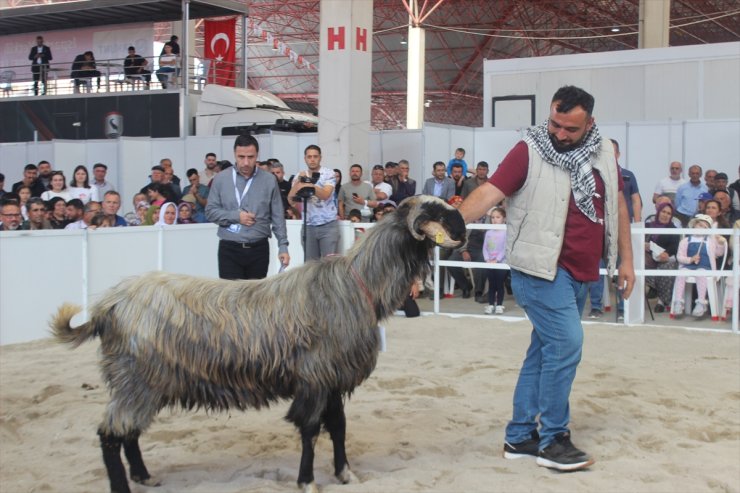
162,212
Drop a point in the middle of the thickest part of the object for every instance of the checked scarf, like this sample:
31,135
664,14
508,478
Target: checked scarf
577,162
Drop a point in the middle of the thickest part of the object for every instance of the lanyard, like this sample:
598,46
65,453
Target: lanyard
246,187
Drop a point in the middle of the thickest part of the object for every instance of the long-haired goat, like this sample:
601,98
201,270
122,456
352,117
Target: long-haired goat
310,334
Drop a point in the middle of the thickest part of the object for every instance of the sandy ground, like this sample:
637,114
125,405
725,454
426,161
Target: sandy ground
658,408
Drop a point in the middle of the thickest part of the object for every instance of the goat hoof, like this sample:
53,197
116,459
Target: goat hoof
150,481
310,488
347,476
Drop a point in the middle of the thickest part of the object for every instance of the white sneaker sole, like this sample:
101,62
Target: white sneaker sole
541,461
514,455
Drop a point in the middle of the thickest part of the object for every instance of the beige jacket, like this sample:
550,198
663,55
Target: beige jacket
536,215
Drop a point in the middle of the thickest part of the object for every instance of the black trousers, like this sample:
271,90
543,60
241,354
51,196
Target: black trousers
243,260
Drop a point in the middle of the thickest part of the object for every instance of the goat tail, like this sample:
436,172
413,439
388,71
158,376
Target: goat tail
61,329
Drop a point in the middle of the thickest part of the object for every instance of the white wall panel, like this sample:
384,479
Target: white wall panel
492,145
672,91
721,91
13,157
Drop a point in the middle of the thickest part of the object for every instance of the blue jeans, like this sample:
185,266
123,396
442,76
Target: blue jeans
549,368
596,291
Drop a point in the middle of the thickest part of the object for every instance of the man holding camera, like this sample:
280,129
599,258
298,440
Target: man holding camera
315,187
245,202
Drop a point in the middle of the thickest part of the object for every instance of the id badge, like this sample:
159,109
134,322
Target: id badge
235,228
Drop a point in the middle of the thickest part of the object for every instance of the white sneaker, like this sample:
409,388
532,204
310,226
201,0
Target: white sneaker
489,309
499,309
699,309
677,307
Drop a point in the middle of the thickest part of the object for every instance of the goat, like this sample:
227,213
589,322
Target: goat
310,334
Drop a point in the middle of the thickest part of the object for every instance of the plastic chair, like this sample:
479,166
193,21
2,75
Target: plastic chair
6,81
713,296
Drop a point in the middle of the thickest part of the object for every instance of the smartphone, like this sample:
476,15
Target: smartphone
355,195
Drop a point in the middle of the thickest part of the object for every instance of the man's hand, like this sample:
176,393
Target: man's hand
284,259
247,218
466,256
626,278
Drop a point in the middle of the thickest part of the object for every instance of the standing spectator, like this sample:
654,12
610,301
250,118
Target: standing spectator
720,182
24,195
723,197
481,177
167,66
405,186
174,45
45,172
631,191
40,57
440,185
2,185
99,174
199,193
381,190
277,169
458,177
79,186
134,66
211,169
166,189
668,185
245,203
355,193
57,188
458,159
10,215
57,218
337,188
111,204
36,215
709,178
734,196
322,233
687,195
166,164
30,180
563,186
494,252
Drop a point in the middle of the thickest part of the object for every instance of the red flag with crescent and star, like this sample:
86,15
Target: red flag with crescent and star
220,49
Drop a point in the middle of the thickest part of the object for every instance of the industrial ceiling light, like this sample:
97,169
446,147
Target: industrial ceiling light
616,30
403,40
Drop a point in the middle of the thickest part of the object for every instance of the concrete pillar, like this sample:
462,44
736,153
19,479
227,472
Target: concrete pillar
654,24
345,82
415,84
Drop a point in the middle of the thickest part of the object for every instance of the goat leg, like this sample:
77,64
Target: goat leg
111,447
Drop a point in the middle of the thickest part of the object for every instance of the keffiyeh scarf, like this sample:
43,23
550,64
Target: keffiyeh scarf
577,162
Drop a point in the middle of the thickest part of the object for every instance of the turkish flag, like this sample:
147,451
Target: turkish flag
220,49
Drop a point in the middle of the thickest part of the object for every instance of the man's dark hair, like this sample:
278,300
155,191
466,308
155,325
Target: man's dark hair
43,162
131,48
30,167
391,164
35,201
100,165
438,163
569,97
77,204
112,192
482,164
246,141
456,165
616,144
356,166
2,177
52,202
191,172
378,166
211,154
157,167
312,146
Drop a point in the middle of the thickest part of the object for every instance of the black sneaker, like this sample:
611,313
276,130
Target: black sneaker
595,313
562,455
527,448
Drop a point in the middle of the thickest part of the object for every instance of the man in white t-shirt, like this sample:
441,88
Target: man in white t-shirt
381,189
669,185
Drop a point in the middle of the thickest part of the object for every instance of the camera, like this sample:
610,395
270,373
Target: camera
308,192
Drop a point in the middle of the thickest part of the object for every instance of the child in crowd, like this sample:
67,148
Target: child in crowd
697,252
459,158
494,252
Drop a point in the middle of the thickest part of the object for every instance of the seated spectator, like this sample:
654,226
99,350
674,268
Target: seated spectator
138,216
458,159
10,215
725,201
703,197
111,204
167,66
101,221
57,187
185,213
91,210
84,70
458,177
79,186
74,211
199,193
36,215
24,194
2,185
30,180
660,253
58,208
713,209
167,215
159,193
134,66
440,185
697,252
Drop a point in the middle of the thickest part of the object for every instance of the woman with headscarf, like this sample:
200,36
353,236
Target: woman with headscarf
660,253
167,214
185,213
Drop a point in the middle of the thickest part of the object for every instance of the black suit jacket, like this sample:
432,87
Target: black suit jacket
45,55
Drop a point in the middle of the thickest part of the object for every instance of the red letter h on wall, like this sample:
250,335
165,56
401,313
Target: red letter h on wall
336,38
361,39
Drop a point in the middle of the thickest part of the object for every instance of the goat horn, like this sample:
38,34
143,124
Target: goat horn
438,234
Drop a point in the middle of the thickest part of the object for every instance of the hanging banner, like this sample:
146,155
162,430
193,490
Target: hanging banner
282,48
220,50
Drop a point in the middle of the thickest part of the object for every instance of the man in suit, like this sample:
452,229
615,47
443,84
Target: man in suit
440,185
40,57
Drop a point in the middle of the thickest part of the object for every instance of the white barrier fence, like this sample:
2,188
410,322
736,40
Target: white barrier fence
43,269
